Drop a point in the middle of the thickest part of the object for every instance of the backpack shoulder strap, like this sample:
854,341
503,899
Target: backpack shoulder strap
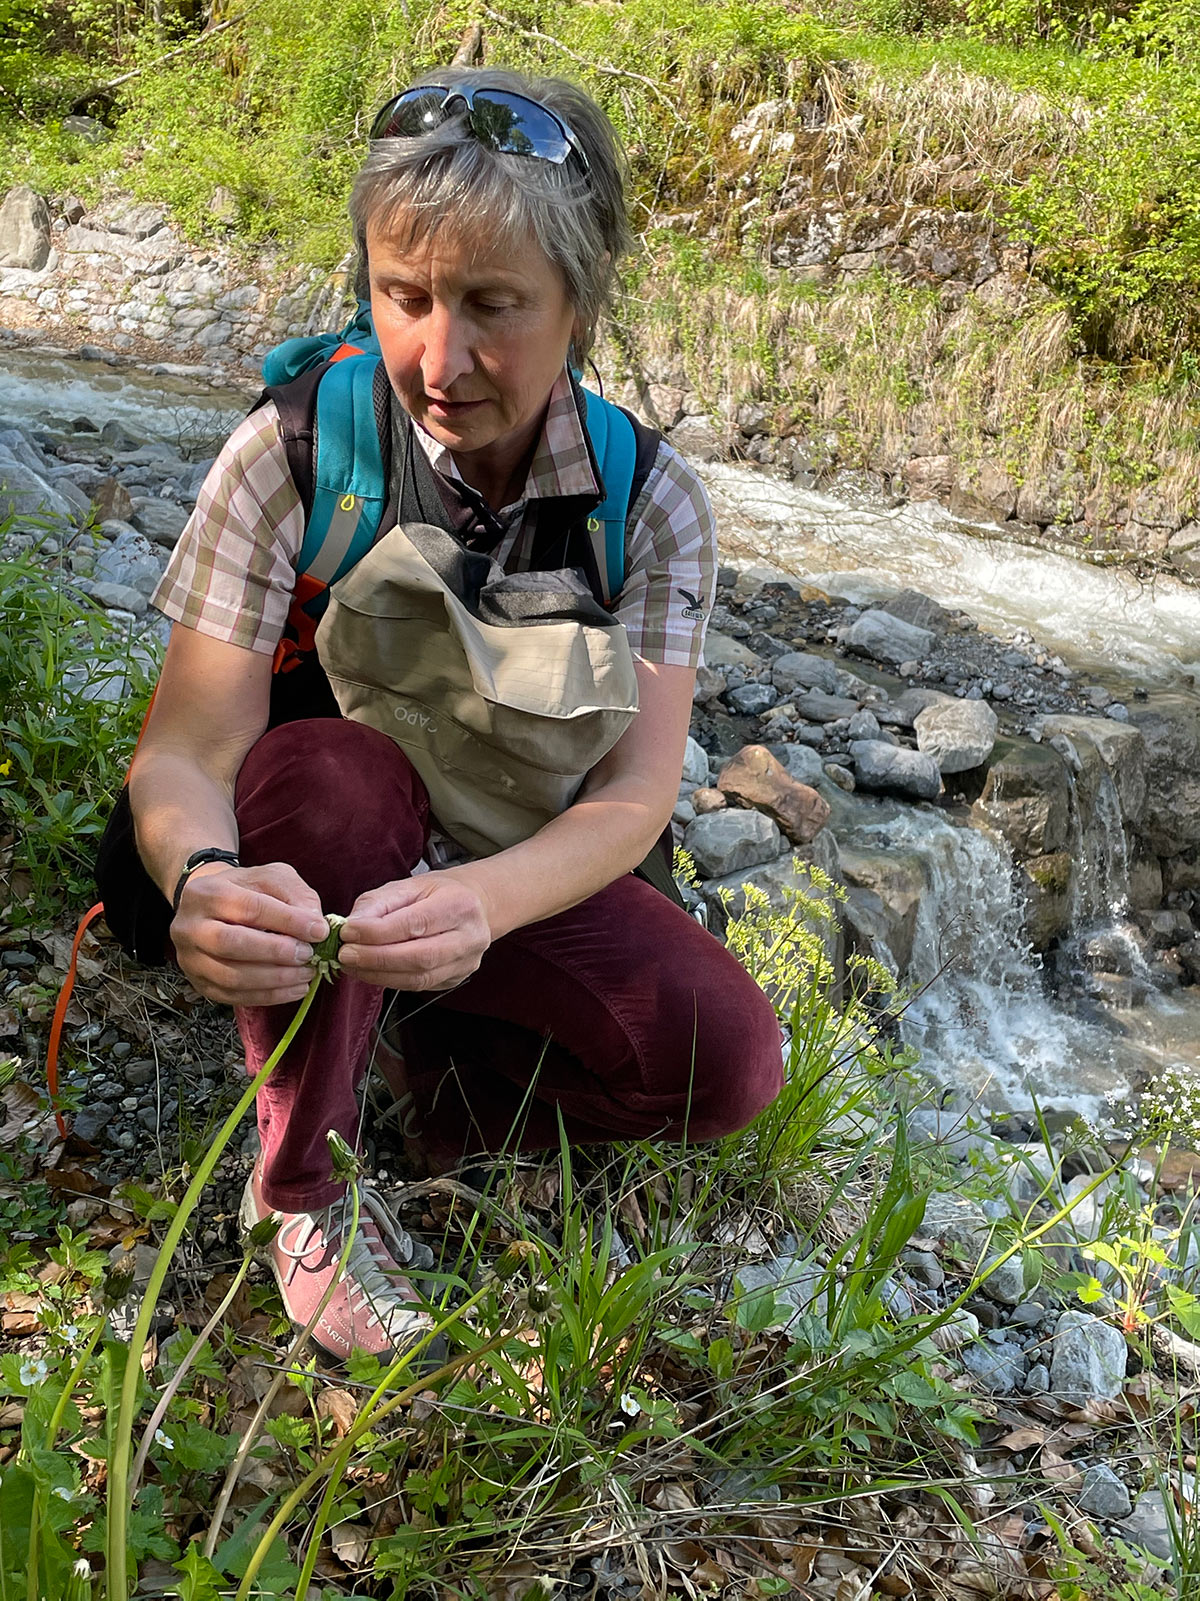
624,449
334,433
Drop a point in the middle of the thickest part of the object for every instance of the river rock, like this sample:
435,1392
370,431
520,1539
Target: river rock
722,650
997,1369
722,842
695,764
1170,726
885,638
1047,885
28,498
801,670
751,700
958,734
118,597
705,800
24,230
885,890
131,560
1088,1359
1026,798
911,606
755,778
963,1226
112,501
1149,1527
1120,749
892,770
801,761
710,683
1103,1495
815,706
902,710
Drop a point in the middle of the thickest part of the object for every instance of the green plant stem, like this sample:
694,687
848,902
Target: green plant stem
117,1582
334,1462
264,1406
60,1409
181,1372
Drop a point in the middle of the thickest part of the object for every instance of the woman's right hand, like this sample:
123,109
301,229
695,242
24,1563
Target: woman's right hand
244,935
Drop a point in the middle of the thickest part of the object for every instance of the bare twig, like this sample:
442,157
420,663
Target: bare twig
605,67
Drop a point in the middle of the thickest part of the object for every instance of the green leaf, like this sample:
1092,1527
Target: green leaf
201,1581
720,1359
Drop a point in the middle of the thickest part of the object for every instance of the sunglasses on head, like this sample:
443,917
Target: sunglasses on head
510,123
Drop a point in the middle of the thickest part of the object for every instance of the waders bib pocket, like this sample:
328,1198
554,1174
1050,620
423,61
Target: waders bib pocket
504,691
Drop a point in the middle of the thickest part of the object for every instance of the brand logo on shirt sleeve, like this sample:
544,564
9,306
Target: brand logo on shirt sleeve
693,609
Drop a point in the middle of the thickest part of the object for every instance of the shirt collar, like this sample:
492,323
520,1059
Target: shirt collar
562,462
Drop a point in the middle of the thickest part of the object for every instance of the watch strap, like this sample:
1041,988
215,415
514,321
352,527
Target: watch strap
210,853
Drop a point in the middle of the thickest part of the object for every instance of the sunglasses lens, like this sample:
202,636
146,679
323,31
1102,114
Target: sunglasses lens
411,114
516,126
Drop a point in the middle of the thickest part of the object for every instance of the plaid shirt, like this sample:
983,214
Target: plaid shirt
234,568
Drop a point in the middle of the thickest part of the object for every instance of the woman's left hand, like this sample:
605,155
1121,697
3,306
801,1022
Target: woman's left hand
423,933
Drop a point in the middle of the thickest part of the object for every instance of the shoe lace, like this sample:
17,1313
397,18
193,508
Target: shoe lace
372,1267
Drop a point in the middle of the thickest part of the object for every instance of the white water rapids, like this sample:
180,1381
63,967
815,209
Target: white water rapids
984,1017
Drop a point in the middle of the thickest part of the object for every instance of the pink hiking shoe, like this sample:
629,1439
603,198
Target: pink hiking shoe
373,1307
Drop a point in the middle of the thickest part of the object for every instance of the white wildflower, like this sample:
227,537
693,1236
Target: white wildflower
32,1373
165,1440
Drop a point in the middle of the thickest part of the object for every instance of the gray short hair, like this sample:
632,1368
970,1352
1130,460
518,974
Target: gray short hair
414,187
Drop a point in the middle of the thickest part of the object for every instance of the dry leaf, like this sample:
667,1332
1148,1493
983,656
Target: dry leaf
341,1407
10,1026
709,1575
351,1543
22,1111
1021,1440
11,1414
674,1497
22,1313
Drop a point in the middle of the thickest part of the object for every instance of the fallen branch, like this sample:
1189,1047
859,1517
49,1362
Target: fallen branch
188,44
605,67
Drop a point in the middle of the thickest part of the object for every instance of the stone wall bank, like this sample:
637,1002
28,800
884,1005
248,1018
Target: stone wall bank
122,277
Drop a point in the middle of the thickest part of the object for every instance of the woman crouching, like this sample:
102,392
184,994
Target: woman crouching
485,698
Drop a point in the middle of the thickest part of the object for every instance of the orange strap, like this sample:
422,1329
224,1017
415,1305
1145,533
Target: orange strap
60,1013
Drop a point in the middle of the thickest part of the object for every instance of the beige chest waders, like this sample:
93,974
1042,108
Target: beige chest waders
503,690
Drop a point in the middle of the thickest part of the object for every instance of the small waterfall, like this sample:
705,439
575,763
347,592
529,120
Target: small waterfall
981,1015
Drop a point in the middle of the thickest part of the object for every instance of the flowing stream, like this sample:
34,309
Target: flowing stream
985,1017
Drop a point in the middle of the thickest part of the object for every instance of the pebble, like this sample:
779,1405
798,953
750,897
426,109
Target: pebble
1103,1495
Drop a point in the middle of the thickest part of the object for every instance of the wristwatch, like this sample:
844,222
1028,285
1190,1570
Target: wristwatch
211,853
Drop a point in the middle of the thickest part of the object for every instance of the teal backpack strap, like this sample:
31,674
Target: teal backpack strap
349,487
614,445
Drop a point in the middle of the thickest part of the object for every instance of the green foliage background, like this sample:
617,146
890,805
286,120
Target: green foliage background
267,99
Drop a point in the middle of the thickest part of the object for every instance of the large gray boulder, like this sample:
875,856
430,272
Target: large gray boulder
722,650
958,734
1120,750
1088,1359
159,519
885,638
1170,726
131,561
799,669
24,229
884,890
28,498
722,842
801,761
1026,798
893,770
911,606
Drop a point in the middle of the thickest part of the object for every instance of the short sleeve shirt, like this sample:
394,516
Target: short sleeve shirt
233,571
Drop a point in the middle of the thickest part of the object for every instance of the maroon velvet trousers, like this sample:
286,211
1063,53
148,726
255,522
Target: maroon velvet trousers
623,1016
